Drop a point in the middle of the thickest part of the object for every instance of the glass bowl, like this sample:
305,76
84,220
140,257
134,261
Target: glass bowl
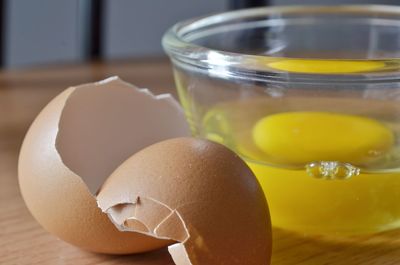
308,97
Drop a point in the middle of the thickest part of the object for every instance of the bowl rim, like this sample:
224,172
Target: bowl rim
183,52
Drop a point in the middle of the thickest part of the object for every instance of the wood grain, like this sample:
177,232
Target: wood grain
22,241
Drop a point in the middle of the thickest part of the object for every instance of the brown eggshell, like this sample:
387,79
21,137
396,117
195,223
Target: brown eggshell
195,192
77,140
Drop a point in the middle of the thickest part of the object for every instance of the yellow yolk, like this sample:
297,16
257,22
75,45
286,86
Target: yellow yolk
297,138
326,66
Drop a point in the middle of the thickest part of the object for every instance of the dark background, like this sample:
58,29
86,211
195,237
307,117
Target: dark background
42,32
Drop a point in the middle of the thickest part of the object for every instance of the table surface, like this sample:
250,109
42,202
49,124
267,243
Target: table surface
22,241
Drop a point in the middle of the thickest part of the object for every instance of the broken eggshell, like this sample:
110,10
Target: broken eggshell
75,143
196,193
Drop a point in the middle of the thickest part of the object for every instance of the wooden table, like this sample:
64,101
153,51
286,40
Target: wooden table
22,241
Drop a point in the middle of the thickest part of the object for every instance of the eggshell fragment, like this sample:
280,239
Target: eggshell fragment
75,143
197,193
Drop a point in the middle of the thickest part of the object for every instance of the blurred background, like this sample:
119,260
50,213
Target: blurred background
44,32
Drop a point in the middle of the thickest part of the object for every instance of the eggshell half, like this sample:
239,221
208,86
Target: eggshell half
75,143
197,193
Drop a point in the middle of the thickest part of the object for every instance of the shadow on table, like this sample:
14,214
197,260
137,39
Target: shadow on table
158,257
290,248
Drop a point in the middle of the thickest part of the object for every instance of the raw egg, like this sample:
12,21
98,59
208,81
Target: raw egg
297,138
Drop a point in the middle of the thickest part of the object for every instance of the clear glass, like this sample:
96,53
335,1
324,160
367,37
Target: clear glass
308,97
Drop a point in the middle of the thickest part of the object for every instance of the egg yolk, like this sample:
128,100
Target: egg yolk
297,138
326,66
